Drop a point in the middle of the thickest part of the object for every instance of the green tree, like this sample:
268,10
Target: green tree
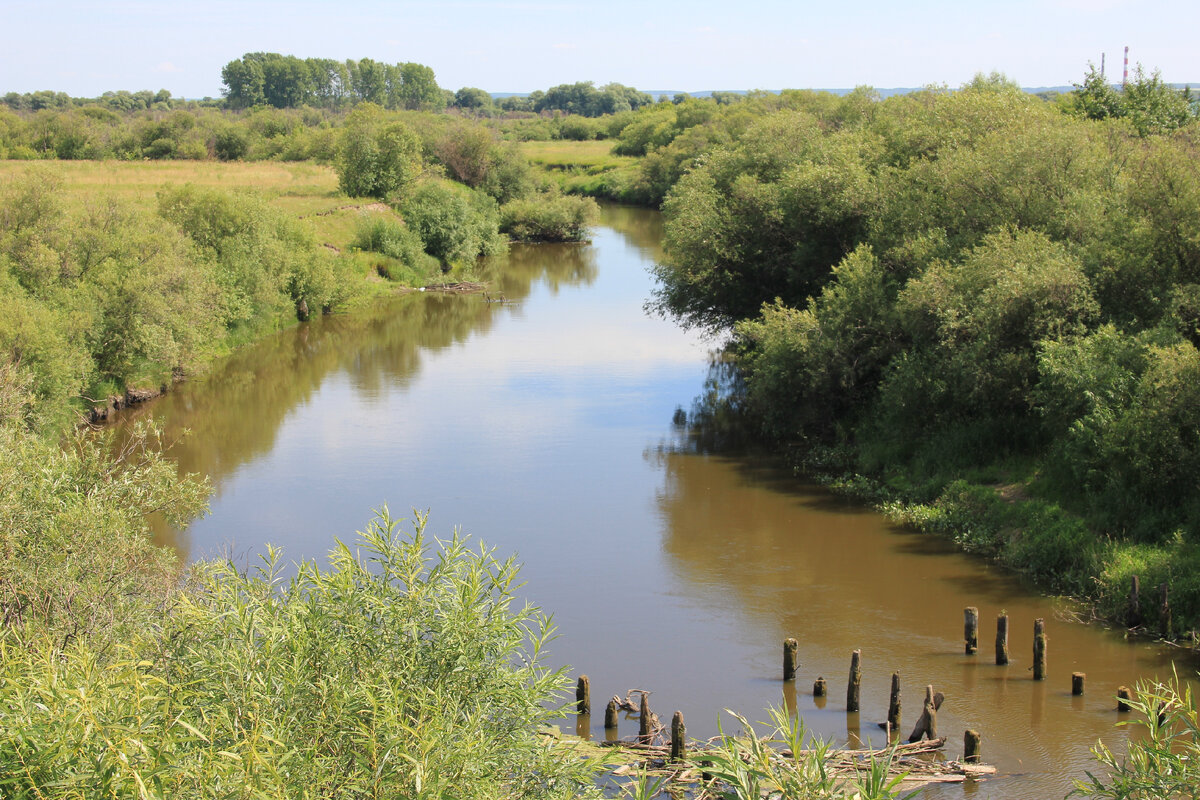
244,82
1153,106
376,158
419,90
473,99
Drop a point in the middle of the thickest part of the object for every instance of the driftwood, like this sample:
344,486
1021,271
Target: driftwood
927,724
907,759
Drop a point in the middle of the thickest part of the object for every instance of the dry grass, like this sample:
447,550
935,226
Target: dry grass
307,190
567,154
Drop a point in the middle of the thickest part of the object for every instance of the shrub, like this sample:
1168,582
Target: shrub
406,669
1161,763
386,235
376,159
549,218
455,223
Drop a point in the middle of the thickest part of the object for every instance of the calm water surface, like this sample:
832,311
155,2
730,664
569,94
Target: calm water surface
542,425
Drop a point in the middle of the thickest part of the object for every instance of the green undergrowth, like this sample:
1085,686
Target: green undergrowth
997,514
404,668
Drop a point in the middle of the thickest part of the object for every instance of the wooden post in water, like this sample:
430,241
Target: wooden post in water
971,629
931,709
790,650
1002,639
678,732
1123,698
894,705
852,690
583,696
1133,617
971,743
927,723
1077,679
1164,614
819,689
610,716
1039,649
645,731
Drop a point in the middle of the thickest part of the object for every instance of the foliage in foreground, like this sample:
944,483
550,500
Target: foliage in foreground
748,767
1161,764
405,669
76,561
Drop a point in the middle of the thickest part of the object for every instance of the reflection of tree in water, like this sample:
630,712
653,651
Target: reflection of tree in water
717,422
235,411
641,227
514,273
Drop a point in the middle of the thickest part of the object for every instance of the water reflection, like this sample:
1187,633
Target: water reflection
532,423
797,561
233,412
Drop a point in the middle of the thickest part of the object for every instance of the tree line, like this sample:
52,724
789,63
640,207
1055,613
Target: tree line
957,298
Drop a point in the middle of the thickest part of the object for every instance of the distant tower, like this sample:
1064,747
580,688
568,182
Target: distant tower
1102,65
1125,74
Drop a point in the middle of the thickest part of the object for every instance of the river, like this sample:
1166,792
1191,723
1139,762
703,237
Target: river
543,425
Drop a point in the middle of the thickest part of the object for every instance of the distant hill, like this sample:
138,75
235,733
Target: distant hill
670,93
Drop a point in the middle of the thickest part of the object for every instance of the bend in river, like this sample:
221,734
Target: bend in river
542,425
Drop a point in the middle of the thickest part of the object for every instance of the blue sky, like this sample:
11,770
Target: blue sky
85,48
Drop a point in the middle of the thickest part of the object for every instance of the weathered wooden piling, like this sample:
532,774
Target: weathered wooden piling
645,729
1002,639
927,723
855,685
1077,679
971,629
610,716
583,695
893,718
819,688
1123,698
971,746
1039,649
1133,616
790,651
1164,613
678,733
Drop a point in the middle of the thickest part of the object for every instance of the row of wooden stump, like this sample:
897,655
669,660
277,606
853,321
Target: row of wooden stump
971,637
649,727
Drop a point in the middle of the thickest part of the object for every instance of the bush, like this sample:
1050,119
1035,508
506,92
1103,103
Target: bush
549,218
79,563
376,159
1162,762
406,669
455,223
383,234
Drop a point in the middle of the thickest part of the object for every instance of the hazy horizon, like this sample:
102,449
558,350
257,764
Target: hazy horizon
518,47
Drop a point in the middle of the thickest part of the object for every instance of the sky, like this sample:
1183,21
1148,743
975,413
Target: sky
87,47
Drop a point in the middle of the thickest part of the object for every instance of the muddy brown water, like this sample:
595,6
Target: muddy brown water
542,425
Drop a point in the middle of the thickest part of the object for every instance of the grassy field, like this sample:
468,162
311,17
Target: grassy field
565,155
309,191
587,168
